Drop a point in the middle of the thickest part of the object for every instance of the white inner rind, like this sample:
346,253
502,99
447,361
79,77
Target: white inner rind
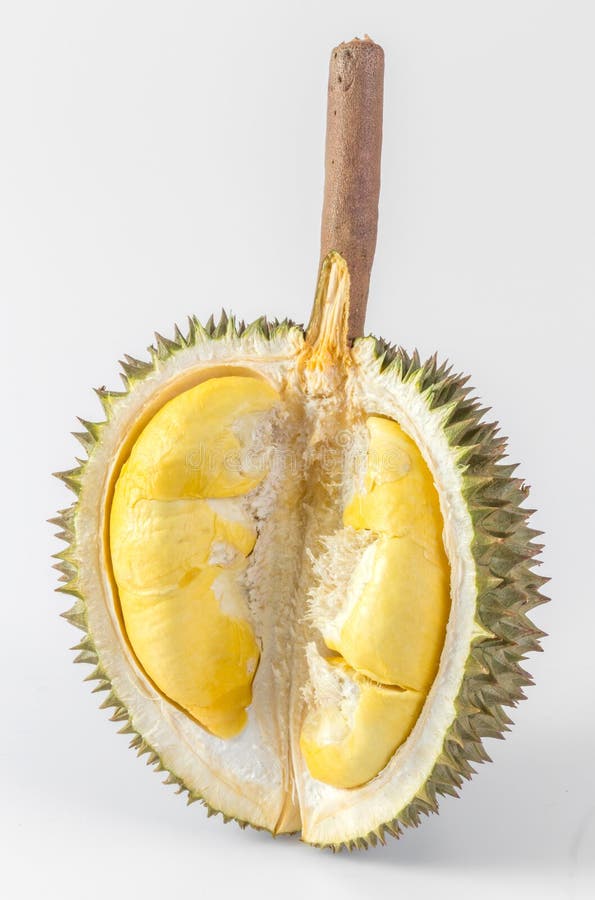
259,775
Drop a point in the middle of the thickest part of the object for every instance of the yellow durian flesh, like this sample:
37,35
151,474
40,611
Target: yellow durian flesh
394,629
161,543
347,747
185,618
398,497
198,444
395,632
197,655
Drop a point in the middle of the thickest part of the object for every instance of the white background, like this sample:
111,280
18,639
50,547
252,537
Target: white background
158,159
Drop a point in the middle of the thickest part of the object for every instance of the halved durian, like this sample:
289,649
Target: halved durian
303,572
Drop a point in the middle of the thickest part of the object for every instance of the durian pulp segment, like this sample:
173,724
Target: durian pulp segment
238,509
388,622
186,617
347,739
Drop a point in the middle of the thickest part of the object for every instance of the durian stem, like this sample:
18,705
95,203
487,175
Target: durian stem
352,166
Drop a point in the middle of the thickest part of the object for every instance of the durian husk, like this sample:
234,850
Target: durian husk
504,550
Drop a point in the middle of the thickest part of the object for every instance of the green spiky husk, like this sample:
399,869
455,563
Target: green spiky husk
504,552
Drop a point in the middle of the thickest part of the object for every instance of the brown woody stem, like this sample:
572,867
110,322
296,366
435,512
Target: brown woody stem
352,166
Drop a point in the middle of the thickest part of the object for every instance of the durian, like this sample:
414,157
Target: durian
301,566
